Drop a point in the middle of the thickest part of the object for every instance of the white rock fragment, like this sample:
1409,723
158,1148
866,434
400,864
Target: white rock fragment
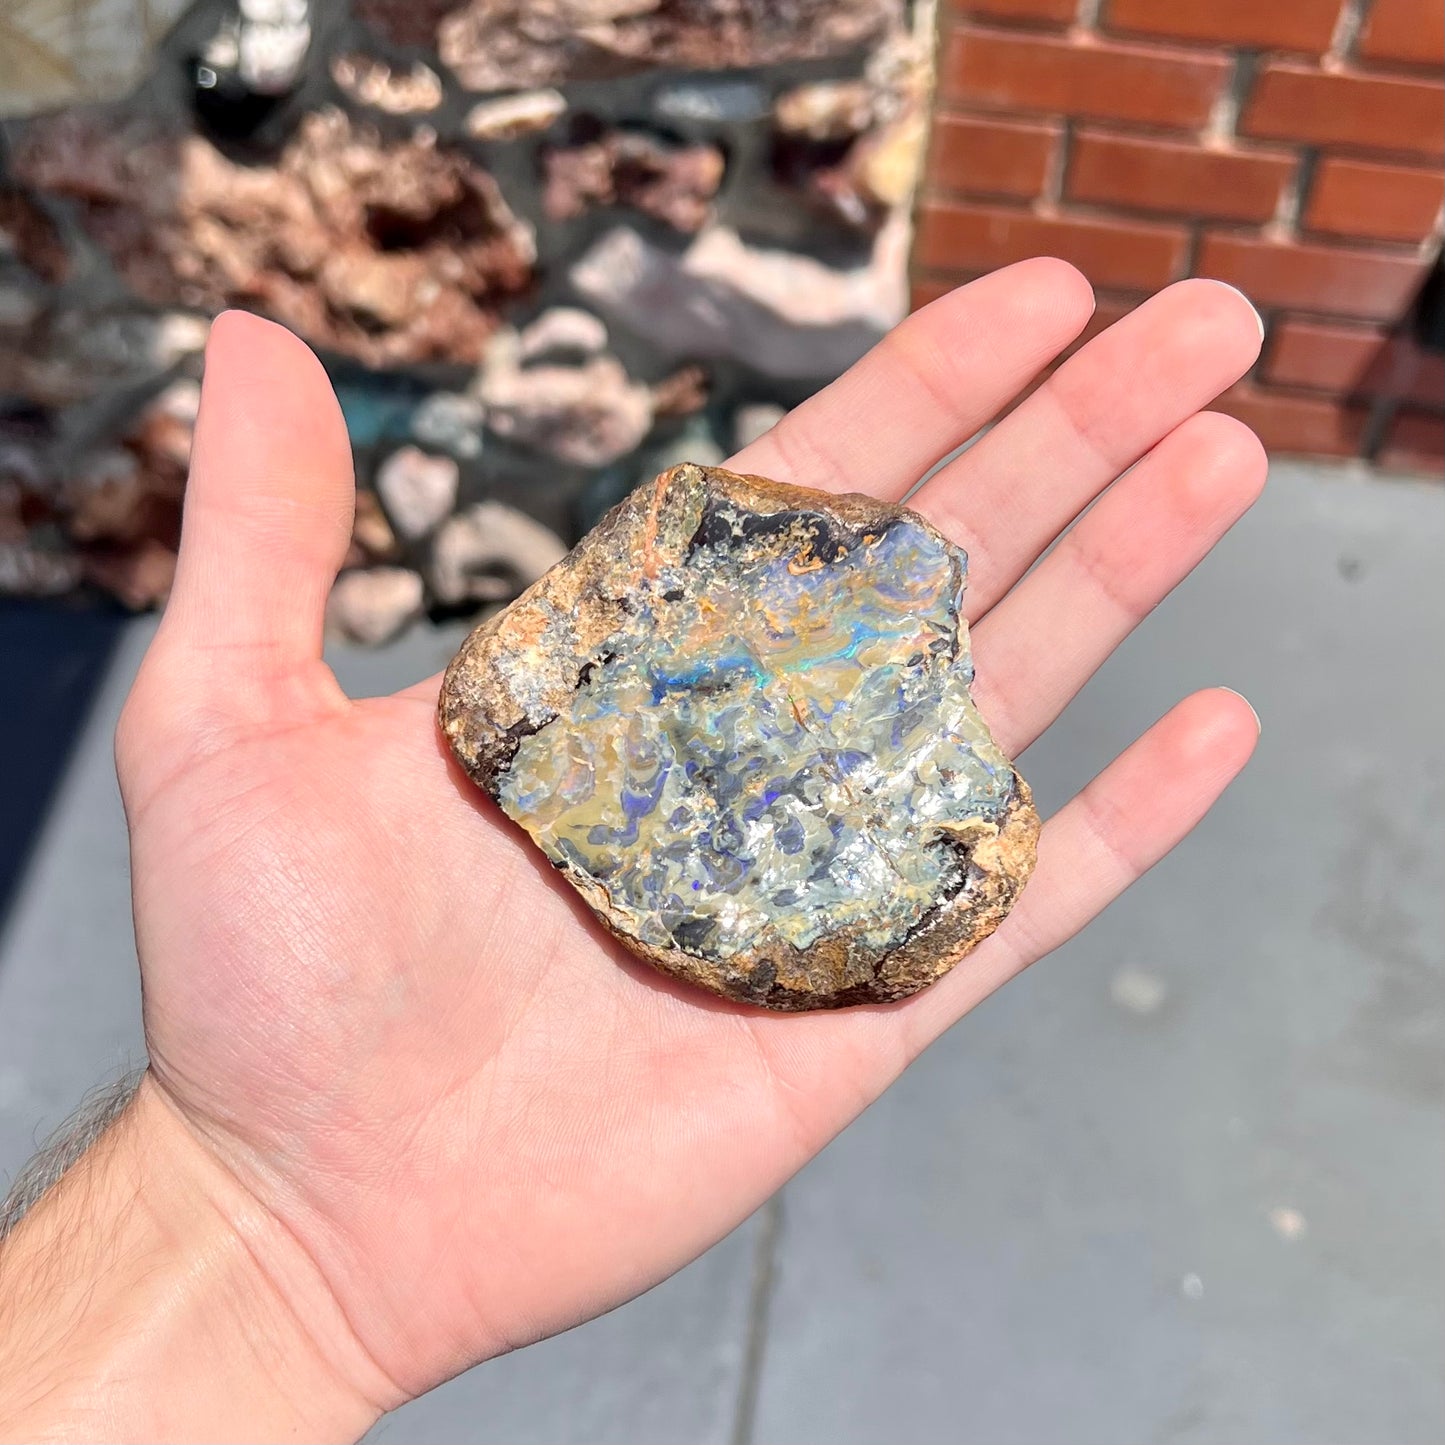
490,553
417,490
372,605
275,36
826,110
588,415
178,334
27,571
397,90
510,116
562,331
451,422
782,313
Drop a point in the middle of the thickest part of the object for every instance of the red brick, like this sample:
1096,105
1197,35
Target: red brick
1128,256
1041,12
1079,75
991,157
1353,361
1172,177
1323,355
1405,32
1365,198
1340,281
1368,112
1415,443
923,289
1259,24
1288,422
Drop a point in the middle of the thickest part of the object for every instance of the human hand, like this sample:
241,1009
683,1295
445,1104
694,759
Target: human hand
445,1113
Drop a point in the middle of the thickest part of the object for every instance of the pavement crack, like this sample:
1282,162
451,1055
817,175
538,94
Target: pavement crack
755,1347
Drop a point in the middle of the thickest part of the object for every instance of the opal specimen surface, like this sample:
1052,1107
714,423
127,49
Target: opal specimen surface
737,719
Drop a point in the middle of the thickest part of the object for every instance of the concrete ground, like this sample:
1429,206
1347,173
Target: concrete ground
1180,1183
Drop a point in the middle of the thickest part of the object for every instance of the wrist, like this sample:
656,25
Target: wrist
148,1296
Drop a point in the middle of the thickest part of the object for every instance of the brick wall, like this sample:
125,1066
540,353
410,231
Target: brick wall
1292,147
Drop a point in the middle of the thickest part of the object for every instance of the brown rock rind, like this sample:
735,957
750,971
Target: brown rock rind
516,672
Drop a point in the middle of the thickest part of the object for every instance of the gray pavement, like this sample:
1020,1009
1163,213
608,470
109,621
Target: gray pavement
1183,1182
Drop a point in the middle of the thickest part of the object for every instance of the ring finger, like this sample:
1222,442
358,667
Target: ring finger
1044,641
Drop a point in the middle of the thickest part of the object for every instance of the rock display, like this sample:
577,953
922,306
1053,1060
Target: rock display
67,354
788,315
417,490
826,110
499,44
27,570
110,497
510,116
544,248
711,102
684,393
489,553
397,90
375,604
372,537
387,252
138,577
675,184
854,148
78,50
564,333
263,44
737,719
30,236
451,422
588,415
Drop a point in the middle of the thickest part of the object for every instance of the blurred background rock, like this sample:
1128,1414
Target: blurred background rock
544,248
559,244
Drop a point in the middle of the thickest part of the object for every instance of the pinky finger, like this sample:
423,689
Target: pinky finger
1144,803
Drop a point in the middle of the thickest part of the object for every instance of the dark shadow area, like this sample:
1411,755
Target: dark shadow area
1401,387
56,659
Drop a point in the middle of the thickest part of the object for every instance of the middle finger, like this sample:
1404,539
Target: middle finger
1045,640
1011,494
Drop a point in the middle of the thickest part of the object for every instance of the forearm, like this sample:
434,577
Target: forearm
145,1296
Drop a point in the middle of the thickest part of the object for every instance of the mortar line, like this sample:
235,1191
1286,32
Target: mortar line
1051,193
759,1301
1223,126
1352,17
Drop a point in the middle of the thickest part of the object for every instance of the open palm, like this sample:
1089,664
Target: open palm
473,1118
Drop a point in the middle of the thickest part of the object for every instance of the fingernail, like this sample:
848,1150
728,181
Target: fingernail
1258,319
1258,726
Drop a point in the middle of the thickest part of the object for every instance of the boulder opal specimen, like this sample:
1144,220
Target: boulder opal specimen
736,717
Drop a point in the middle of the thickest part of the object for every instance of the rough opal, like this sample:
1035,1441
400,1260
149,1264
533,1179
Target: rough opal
737,718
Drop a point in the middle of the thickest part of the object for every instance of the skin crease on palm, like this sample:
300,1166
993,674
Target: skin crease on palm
472,1119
